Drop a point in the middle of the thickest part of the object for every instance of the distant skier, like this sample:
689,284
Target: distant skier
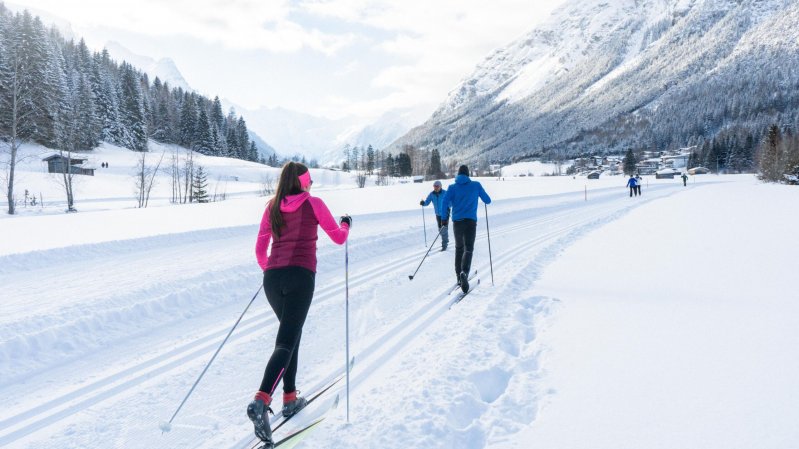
684,179
638,182
290,221
437,198
462,196
632,183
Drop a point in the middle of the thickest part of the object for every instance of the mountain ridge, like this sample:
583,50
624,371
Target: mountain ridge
603,77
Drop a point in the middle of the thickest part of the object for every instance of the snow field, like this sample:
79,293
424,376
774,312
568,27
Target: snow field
117,350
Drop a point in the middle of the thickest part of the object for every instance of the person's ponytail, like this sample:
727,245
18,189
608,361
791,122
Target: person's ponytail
289,184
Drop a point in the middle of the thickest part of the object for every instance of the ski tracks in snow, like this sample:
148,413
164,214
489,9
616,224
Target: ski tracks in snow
427,364
396,323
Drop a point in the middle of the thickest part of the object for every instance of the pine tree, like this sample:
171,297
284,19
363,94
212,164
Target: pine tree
217,120
132,110
769,159
200,185
403,164
435,164
242,139
390,165
188,121
204,140
629,162
370,160
253,153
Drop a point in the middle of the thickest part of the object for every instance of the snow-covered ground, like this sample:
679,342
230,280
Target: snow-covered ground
667,320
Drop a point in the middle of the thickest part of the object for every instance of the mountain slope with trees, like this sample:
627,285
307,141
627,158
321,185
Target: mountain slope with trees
602,77
58,93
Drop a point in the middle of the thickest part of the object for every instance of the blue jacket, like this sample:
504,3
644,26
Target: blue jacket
462,196
437,199
632,182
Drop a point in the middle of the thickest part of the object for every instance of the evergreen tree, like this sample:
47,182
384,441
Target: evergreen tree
188,121
253,153
629,162
435,164
231,136
390,165
199,185
370,160
242,139
132,110
403,164
771,168
204,141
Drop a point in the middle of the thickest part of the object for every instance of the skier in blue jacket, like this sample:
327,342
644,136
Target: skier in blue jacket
632,183
437,198
462,196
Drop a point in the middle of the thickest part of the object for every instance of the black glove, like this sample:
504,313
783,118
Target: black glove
443,223
421,203
346,219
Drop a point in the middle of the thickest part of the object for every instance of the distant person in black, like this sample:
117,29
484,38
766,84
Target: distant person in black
684,180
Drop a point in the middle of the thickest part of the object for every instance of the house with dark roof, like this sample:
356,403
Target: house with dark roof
58,164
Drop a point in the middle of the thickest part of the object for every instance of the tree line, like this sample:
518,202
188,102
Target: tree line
58,93
409,161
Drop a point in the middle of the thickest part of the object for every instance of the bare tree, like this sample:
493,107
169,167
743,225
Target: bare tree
175,174
145,178
16,107
267,184
219,196
188,176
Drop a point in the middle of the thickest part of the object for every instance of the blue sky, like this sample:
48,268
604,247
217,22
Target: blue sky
331,58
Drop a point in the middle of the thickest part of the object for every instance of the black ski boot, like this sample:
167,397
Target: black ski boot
258,411
463,280
292,404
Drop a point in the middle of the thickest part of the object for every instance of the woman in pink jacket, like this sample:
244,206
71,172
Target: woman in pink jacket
290,222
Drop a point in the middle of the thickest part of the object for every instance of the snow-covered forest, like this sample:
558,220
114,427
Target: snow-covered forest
59,94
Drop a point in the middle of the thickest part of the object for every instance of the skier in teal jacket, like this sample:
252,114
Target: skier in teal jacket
437,198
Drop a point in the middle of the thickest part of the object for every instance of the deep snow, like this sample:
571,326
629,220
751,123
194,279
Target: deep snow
660,321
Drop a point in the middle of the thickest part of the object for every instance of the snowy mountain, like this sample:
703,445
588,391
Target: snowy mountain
164,68
604,76
323,139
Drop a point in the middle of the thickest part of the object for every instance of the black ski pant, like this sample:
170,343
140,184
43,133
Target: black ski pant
289,291
465,231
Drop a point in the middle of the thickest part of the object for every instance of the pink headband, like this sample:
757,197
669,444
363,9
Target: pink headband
305,179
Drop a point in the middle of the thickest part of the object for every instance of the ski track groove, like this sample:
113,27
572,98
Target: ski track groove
392,342
394,339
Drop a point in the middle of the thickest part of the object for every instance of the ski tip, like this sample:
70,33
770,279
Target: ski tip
165,427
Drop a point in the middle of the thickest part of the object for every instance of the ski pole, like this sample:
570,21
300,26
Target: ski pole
167,426
425,255
424,225
347,319
490,261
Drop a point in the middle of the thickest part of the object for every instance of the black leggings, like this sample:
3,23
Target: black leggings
465,231
289,291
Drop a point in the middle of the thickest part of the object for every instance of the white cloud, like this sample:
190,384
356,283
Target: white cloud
367,56
436,43
238,24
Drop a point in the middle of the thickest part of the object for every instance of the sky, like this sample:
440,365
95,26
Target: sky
330,58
